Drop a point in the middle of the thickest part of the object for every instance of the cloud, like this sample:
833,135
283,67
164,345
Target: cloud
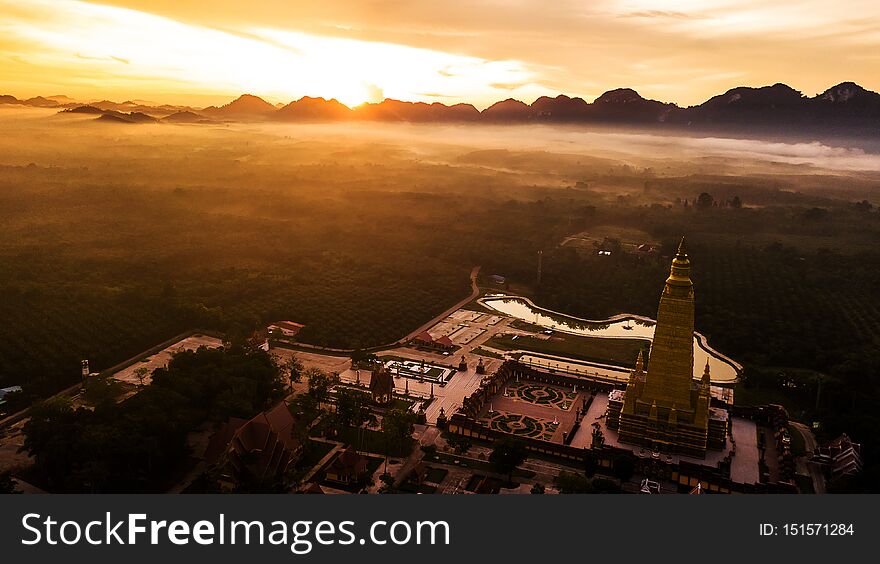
507,85
663,14
110,58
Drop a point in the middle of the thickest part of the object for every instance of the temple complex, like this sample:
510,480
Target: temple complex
664,408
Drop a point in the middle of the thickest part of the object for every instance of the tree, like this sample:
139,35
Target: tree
141,374
102,388
397,428
507,454
295,369
604,485
705,201
320,383
350,407
135,445
570,482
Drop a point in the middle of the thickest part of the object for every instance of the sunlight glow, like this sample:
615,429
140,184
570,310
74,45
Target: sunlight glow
127,47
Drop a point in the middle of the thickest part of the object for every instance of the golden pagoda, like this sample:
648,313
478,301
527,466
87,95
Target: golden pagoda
664,408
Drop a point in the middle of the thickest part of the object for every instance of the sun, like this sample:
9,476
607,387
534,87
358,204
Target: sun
74,39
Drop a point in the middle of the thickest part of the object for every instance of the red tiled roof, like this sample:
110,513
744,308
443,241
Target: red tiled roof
269,435
348,463
220,440
424,337
313,488
445,341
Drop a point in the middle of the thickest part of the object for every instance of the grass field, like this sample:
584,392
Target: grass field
616,351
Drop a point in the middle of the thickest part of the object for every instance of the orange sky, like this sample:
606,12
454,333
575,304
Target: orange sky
478,51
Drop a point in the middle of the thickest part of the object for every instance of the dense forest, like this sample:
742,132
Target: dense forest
135,445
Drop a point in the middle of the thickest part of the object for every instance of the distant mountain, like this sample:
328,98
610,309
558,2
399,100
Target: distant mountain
765,105
120,117
314,109
846,107
625,105
395,110
62,99
40,102
846,103
246,106
460,112
560,108
139,106
185,117
113,118
37,101
509,110
111,115
83,110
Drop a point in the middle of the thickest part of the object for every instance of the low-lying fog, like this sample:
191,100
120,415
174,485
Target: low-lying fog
559,154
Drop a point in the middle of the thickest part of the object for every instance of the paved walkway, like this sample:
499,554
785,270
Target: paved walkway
744,465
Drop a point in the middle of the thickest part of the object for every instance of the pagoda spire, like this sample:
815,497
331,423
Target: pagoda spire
639,370
680,271
672,348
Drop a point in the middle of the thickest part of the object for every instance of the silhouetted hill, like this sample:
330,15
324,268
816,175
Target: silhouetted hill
111,115
113,118
845,104
395,110
560,108
61,99
40,102
120,117
83,110
509,110
185,117
37,101
625,105
246,106
843,108
314,109
764,105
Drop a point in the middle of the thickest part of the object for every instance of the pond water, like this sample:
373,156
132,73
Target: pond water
723,369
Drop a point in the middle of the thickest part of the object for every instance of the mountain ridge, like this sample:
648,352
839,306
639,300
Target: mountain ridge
846,104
